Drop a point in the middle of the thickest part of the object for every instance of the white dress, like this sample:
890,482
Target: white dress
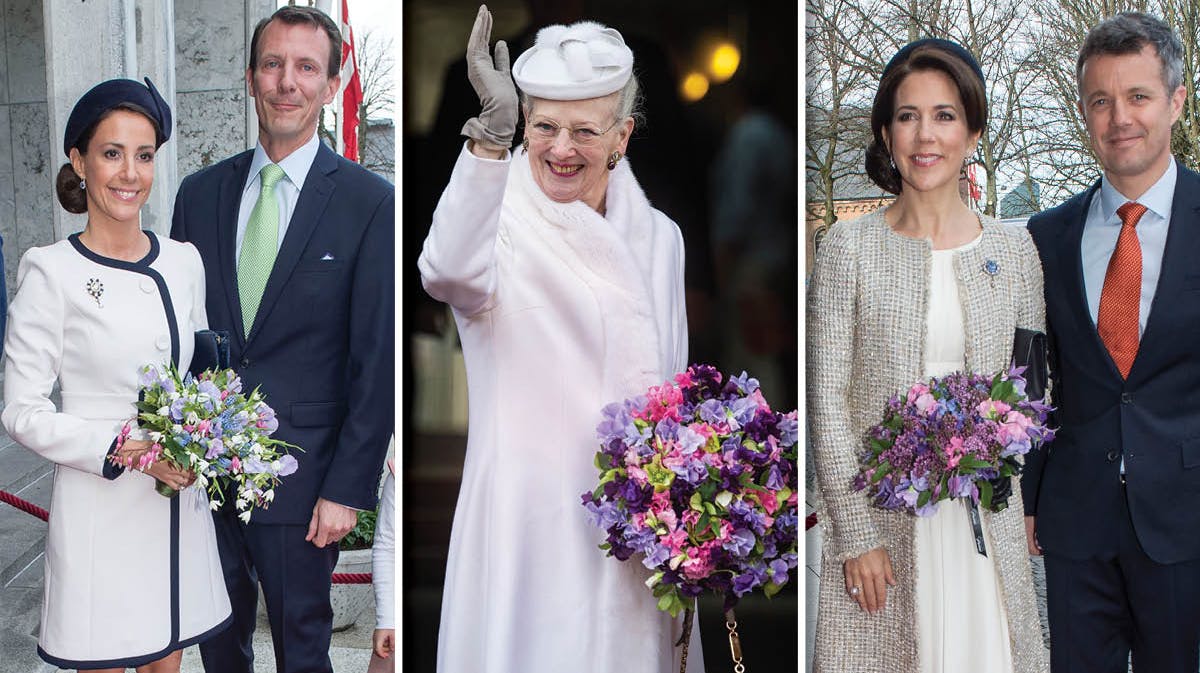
130,576
560,311
961,624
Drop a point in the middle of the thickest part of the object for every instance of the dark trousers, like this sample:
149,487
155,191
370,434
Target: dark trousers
295,578
1101,609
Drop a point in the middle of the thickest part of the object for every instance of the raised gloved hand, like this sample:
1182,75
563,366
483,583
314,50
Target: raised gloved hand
493,83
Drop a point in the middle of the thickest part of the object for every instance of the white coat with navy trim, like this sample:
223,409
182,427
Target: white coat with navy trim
130,576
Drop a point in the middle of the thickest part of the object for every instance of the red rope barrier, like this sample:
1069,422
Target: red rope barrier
24,505
30,508
352,578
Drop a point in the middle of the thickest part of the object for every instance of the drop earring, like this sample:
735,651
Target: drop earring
525,146
82,184
613,159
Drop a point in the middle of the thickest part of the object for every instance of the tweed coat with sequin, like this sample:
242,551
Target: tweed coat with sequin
868,302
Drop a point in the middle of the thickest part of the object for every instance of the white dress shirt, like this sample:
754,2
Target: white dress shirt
287,192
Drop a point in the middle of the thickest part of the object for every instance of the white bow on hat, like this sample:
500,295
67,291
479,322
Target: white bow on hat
582,60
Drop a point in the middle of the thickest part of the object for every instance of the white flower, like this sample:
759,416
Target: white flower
164,411
213,505
245,516
269,495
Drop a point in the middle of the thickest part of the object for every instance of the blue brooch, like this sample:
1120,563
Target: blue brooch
95,289
991,268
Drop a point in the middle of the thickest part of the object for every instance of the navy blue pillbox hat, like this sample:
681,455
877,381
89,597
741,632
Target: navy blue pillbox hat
945,45
108,95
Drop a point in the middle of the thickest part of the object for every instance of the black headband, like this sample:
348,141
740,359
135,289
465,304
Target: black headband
108,95
945,45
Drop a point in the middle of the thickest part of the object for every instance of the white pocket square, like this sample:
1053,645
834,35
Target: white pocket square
328,257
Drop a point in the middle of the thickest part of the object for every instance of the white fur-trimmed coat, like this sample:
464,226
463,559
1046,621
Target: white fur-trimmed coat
560,311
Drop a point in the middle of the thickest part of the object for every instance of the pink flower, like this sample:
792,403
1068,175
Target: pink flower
699,566
917,390
663,402
675,540
954,451
993,409
769,502
235,465
725,532
683,380
758,398
925,403
638,475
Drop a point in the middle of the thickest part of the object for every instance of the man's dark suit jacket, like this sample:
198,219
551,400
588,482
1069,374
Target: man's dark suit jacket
1152,419
322,346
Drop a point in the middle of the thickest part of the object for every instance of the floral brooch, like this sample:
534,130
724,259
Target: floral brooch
95,289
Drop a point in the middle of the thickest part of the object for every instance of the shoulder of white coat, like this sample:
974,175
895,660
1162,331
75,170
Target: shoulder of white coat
47,256
664,225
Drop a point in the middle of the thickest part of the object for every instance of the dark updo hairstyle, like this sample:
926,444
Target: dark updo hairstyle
66,185
935,55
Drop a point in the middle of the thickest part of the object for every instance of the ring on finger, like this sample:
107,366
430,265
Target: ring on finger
855,590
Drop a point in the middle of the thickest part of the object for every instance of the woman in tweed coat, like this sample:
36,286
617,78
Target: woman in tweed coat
872,323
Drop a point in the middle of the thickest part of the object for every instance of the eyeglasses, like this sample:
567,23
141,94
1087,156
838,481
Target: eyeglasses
582,136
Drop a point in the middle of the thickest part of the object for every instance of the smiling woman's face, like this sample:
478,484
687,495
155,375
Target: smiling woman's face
564,170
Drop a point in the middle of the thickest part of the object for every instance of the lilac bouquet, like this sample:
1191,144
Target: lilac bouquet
698,477
206,424
957,436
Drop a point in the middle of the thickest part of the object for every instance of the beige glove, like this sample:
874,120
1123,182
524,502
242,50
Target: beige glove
493,83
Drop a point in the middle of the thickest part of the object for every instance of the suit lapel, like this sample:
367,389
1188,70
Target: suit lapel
229,200
1176,260
1071,254
314,197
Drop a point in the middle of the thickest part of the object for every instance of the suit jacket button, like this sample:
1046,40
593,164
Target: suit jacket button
1126,398
245,362
147,285
1113,456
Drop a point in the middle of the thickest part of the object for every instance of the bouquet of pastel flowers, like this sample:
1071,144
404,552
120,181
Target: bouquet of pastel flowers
206,424
961,435
698,477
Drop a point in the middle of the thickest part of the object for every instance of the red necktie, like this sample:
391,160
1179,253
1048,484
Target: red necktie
1121,298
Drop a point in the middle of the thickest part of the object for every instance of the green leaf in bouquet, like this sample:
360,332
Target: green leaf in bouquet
708,489
881,472
970,462
923,498
771,588
713,445
723,499
671,604
710,508
1004,391
605,546
661,589
602,461
985,493
696,502
653,580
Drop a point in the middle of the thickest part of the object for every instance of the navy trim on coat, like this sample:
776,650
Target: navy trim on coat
141,660
142,266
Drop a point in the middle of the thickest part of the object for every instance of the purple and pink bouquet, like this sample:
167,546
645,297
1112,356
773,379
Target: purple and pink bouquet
206,424
699,478
957,436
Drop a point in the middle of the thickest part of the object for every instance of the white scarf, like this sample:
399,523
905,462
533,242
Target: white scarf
613,255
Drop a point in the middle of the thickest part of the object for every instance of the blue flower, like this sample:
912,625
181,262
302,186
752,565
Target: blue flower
711,411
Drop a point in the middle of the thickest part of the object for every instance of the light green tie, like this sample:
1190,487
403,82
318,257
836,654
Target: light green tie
259,246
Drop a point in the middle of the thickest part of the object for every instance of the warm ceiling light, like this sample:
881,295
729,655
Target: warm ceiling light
694,87
724,62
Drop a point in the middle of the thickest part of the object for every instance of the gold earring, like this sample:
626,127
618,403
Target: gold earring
525,146
613,159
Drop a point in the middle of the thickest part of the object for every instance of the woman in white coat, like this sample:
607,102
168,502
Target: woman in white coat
567,289
131,577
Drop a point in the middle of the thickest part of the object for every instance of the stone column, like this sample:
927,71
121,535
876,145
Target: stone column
27,157
89,42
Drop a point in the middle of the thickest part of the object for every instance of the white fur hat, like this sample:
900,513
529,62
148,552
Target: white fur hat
582,60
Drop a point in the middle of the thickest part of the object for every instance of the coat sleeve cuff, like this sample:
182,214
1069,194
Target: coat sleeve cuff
111,469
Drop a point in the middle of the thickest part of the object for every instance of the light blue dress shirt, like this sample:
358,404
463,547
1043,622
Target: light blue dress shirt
1103,225
287,192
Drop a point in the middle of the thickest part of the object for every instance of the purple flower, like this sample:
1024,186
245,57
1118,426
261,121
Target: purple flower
744,410
744,383
657,556
176,410
779,571
667,430
740,543
711,411
754,576
215,448
603,514
689,439
148,377
789,431
287,465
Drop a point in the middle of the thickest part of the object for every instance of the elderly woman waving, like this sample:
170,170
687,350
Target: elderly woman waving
567,290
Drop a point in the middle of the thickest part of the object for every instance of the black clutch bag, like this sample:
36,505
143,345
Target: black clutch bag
212,351
1029,351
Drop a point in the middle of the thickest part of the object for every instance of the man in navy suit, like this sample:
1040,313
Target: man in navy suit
1115,503
298,254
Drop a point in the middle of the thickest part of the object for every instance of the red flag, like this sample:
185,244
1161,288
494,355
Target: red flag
352,93
972,180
